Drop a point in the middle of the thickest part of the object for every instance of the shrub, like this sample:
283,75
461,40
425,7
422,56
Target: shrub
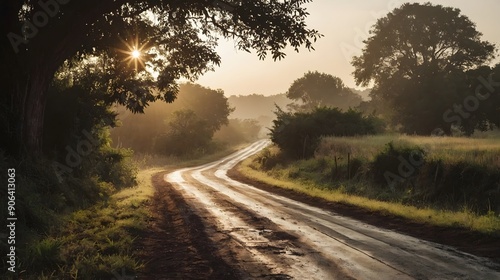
468,184
269,158
299,134
396,165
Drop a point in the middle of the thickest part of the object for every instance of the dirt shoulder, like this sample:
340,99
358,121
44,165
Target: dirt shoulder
176,245
475,243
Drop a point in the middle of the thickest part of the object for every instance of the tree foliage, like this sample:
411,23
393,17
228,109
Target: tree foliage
145,132
316,89
77,137
76,101
186,133
417,59
79,167
177,39
298,134
479,104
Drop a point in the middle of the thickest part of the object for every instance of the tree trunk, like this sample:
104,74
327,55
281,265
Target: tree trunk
32,98
30,72
32,129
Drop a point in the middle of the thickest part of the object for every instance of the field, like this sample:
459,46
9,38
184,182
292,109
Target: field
448,181
481,151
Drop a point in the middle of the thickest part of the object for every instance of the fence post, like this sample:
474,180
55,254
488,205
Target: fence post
348,166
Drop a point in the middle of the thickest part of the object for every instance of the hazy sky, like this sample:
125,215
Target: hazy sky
344,24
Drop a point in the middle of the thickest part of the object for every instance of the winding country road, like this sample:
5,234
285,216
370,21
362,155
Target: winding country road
273,237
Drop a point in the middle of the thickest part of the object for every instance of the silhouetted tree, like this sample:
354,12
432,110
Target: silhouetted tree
417,58
176,39
479,107
316,89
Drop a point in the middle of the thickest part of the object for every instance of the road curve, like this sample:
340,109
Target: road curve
287,239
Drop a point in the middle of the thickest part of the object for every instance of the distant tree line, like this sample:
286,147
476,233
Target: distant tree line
187,126
239,131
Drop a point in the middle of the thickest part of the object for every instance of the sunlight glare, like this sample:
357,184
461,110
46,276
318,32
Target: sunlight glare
136,54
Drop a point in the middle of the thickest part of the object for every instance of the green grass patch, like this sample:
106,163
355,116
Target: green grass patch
96,242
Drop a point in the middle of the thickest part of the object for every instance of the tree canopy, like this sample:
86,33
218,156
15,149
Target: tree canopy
319,89
172,39
186,133
417,59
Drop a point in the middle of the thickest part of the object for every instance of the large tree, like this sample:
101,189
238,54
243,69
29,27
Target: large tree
140,130
170,37
187,133
417,58
479,108
316,89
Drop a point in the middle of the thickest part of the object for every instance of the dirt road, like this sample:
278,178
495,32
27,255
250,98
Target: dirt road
260,235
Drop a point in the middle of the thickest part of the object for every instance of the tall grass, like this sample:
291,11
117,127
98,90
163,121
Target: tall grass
489,223
484,151
458,176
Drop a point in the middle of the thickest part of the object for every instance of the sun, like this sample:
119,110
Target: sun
135,54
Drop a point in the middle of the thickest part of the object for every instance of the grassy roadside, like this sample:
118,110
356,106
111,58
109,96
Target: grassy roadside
465,218
98,242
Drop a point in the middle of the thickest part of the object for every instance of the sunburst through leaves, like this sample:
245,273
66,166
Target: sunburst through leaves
134,53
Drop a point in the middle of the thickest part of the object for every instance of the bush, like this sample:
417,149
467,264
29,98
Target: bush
270,158
299,134
42,199
463,184
397,165
116,167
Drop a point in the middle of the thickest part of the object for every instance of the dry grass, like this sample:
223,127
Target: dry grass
484,152
481,151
